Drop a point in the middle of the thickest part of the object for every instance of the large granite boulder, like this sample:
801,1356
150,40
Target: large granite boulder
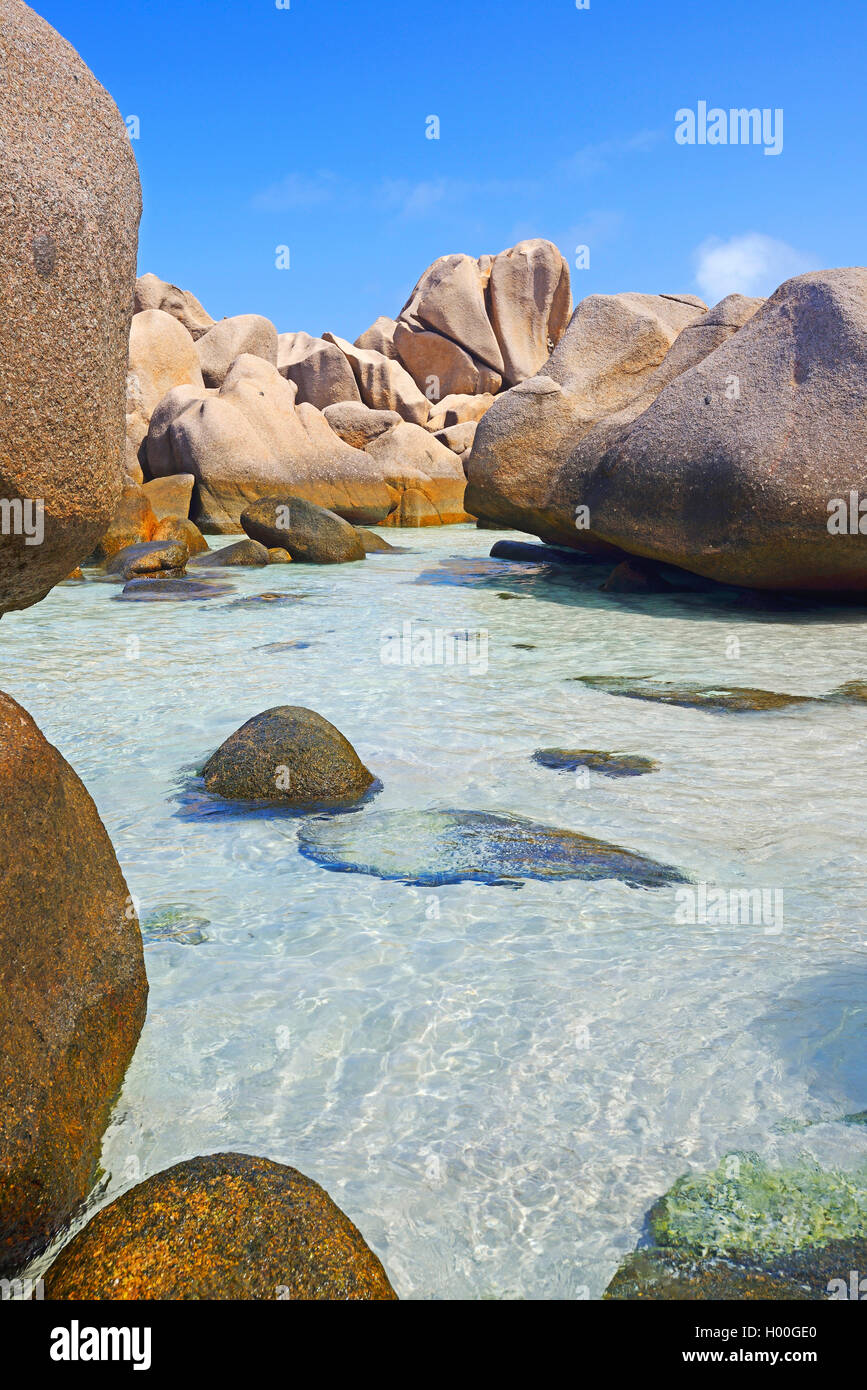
357,424
228,339
70,203
248,440
319,369
226,1226
735,469
380,337
450,300
72,987
153,293
162,559
612,345
162,355
440,367
288,754
134,521
530,305
312,535
412,461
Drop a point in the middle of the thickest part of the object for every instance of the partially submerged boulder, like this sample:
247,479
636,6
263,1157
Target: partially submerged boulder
246,552
72,987
153,559
288,754
226,1226
311,534
69,213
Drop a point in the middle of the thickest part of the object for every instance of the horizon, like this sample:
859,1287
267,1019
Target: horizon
365,202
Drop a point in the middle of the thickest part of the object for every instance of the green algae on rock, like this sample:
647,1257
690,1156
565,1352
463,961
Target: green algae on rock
609,764
224,1226
717,700
439,847
812,1275
746,1206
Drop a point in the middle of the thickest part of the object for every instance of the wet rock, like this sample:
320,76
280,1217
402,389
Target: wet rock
438,847
538,554
182,530
278,556
722,700
376,545
157,559
246,552
73,989
635,577
288,754
609,764
312,535
225,1226
670,1276
172,590
69,214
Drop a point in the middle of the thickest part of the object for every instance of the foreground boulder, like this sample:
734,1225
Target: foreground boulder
288,754
72,987
154,559
309,533
69,213
226,1226
613,344
733,471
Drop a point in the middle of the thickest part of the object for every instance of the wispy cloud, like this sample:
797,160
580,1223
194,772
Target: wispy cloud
592,159
407,199
750,264
299,191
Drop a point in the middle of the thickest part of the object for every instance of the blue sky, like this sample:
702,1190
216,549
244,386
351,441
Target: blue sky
304,127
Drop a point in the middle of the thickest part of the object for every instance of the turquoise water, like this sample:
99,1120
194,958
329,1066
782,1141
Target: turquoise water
495,1083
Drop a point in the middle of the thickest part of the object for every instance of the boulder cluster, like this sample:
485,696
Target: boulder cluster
726,441
376,431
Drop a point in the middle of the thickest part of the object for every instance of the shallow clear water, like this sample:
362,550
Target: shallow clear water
494,1083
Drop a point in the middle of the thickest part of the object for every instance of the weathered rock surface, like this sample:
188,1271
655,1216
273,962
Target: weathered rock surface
153,559
246,552
379,337
72,987
311,534
357,424
170,496
69,209
226,1226
383,383
288,754
162,355
611,347
530,305
732,470
133,521
449,299
458,410
230,338
321,372
180,528
440,367
411,460
153,293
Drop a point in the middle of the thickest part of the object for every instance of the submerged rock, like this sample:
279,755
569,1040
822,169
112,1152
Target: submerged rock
175,924
172,590
311,534
288,754
538,554
749,1231
73,989
375,545
225,1226
721,700
609,764
438,847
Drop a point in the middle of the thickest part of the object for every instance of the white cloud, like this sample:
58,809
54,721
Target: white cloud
750,264
299,191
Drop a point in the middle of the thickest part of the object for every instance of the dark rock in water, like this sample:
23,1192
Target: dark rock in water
278,556
296,646
154,559
73,990
437,847
505,594
226,1226
276,600
609,764
524,646
635,577
288,754
852,693
539,554
671,1276
311,534
374,544
172,590
241,553
721,700
175,924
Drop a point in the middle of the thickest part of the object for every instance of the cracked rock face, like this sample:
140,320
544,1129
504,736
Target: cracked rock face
70,203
